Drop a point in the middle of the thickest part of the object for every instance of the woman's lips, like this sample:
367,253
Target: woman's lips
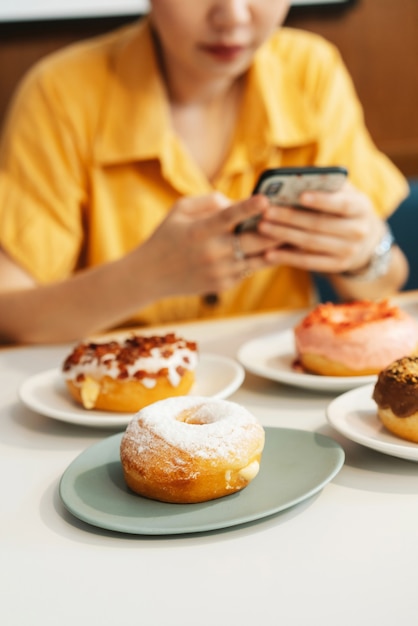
223,52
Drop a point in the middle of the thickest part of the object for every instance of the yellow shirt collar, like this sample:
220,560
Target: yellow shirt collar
136,122
135,117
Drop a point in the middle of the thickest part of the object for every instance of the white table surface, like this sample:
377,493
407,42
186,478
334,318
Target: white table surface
346,556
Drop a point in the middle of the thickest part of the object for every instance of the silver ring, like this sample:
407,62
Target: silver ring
246,274
239,253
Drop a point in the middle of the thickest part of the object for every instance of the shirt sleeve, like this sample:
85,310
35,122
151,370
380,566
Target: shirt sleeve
345,137
42,191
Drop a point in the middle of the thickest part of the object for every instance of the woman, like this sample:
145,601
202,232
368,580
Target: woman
128,161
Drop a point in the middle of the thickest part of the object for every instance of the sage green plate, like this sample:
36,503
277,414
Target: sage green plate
295,465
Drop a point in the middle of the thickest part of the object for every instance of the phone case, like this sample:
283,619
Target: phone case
284,185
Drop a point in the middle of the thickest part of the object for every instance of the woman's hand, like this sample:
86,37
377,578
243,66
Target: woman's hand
330,233
195,250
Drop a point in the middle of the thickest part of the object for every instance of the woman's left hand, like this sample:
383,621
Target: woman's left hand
328,233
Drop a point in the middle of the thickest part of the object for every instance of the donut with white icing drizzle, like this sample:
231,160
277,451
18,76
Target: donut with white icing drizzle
127,374
191,449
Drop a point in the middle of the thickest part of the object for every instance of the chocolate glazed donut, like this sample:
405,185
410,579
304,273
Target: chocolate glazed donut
396,396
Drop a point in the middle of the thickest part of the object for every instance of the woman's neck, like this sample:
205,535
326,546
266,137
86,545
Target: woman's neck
206,124
204,110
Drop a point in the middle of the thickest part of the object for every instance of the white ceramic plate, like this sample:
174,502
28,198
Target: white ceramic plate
272,356
354,414
46,393
295,465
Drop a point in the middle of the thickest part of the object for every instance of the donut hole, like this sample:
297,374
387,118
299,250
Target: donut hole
194,416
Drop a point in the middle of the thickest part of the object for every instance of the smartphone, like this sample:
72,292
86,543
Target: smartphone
283,185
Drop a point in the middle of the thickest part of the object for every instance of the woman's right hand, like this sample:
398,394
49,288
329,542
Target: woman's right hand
195,250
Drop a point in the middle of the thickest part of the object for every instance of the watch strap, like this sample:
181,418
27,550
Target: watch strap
379,262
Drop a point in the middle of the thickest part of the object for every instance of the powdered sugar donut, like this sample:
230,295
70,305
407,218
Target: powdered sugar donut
126,375
191,449
354,339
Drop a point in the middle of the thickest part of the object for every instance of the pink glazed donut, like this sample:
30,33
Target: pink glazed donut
354,339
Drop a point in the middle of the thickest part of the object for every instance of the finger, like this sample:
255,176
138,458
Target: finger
306,260
247,267
237,249
336,201
226,275
202,206
346,202
304,238
226,220
282,224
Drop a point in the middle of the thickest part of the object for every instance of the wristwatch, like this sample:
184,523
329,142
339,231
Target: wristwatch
379,261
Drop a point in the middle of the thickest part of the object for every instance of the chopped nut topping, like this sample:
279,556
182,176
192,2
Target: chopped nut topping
397,387
403,370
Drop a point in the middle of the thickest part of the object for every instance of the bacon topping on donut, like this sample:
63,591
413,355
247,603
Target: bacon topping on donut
130,357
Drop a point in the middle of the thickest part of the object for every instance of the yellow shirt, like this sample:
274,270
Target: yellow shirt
89,164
